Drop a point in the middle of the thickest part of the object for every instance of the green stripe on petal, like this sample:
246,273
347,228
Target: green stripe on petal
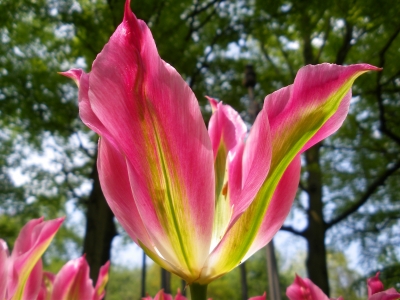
291,130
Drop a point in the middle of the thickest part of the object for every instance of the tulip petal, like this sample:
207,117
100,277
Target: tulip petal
161,296
85,110
116,187
47,286
304,289
32,241
279,207
227,133
263,297
390,294
3,268
374,285
179,296
114,178
376,290
240,168
73,282
297,115
154,118
34,282
100,288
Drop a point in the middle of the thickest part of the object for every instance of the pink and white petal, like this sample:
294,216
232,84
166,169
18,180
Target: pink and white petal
3,268
263,297
32,241
154,116
73,282
304,289
374,285
100,288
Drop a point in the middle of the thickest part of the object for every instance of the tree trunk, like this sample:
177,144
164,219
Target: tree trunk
143,282
243,280
166,281
100,229
274,290
315,233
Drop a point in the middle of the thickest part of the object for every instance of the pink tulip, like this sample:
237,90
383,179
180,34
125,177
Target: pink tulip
305,289
47,286
376,292
21,273
200,202
73,282
263,297
163,296
3,268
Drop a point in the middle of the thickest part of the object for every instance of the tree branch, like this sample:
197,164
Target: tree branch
381,106
269,59
364,197
341,55
327,31
292,230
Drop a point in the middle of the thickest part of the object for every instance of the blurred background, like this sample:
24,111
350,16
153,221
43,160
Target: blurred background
344,225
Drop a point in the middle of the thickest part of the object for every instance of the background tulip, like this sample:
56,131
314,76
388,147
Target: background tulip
21,273
73,282
376,290
305,289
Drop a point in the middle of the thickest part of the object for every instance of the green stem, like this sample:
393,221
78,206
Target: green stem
198,292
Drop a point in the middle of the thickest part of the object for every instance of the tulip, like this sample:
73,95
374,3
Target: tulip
376,290
263,297
163,296
73,282
200,202
305,289
21,273
47,286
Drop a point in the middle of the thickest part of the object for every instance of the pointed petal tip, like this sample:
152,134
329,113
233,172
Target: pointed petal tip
74,74
127,12
213,103
368,67
58,221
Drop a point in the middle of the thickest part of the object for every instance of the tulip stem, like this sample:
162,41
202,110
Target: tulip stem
198,291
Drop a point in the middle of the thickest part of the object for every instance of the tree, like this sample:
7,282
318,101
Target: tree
349,187
290,34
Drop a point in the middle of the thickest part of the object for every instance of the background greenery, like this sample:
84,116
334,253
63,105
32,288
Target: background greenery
349,192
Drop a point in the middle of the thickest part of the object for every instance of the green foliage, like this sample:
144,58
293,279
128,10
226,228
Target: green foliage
209,43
